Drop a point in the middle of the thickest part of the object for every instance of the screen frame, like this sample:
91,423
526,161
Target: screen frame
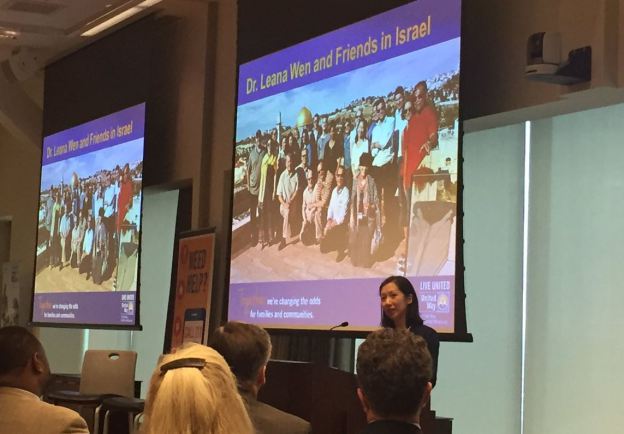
460,333
94,326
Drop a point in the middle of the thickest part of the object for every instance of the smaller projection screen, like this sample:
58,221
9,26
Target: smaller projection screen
346,172
89,223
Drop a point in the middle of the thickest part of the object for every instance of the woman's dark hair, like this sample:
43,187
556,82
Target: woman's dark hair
412,316
366,160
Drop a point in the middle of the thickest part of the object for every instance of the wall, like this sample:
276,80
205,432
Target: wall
575,299
19,174
220,114
495,35
479,383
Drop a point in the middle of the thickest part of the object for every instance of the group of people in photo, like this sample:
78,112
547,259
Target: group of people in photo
86,221
343,181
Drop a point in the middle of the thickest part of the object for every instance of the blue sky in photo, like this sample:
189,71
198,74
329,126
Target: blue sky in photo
87,164
336,92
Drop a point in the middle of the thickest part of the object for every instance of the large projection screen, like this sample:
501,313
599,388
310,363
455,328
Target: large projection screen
310,244
89,223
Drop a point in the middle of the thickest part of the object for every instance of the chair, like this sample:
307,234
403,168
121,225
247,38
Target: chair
105,374
132,407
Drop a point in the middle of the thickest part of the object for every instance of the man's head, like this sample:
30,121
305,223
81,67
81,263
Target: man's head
246,348
394,371
23,363
420,96
325,124
290,162
408,110
380,109
340,176
310,178
399,97
304,156
320,169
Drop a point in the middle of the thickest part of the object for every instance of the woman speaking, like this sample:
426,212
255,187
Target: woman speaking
399,310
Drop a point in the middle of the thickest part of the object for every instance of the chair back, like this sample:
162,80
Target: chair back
108,372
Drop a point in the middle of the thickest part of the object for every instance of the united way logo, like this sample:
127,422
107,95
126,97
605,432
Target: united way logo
443,304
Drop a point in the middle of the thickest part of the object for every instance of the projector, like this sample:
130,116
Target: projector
543,54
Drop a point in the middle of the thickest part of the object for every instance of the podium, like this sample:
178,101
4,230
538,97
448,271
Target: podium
327,398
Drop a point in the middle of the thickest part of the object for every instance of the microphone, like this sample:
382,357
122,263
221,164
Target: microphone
342,324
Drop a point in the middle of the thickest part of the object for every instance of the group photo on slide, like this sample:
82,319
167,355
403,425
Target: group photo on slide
89,221
351,176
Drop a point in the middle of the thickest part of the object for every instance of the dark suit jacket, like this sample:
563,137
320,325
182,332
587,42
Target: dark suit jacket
391,427
270,420
433,345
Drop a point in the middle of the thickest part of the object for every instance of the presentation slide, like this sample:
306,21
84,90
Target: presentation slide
89,225
345,172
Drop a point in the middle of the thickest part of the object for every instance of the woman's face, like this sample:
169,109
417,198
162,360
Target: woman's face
394,303
360,130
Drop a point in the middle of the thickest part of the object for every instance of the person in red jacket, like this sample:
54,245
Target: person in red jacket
419,138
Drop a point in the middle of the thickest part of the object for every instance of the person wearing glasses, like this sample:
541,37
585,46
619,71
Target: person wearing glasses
289,196
419,138
384,170
335,234
421,134
365,219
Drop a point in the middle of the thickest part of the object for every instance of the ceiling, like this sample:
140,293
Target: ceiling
50,26
34,33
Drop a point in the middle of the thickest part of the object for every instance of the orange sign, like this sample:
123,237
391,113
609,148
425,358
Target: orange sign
193,289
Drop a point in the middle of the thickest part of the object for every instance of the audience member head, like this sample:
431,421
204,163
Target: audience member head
194,391
246,348
394,370
23,363
399,303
